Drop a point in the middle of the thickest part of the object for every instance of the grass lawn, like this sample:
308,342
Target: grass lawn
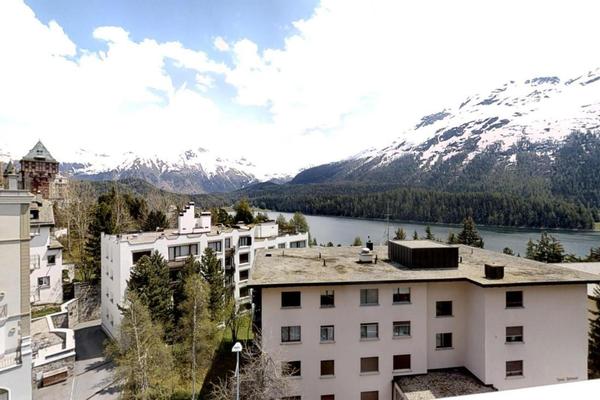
40,312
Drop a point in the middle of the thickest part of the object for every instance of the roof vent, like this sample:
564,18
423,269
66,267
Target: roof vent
494,271
268,255
369,243
365,255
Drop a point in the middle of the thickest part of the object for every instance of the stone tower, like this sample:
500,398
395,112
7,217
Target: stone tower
38,170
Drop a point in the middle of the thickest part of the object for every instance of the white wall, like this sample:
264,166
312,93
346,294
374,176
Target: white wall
39,251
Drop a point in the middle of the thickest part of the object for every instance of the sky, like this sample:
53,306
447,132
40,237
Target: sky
285,84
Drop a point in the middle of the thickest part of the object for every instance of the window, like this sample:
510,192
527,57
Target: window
514,334
327,333
514,299
514,368
291,368
183,251
290,334
401,328
244,275
328,397
244,291
374,395
327,367
51,259
227,243
369,331
281,245
298,244
369,364
44,281
369,297
244,258
443,308
327,299
290,299
401,361
245,241
443,340
401,295
137,255
228,262
215,246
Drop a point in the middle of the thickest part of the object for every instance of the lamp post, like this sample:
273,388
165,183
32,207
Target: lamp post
237,348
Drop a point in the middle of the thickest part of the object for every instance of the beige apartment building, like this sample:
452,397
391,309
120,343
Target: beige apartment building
351,326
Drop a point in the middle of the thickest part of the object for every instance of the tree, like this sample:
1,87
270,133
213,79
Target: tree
155,219
298,223
243,212
211,271
102,222
143,362
594,255
261,217
220,216
400,234
233,316
197,331
329,244
261,377
415,236
452,239
428,234
281,221
469,234
78,210
548,249
594,338
357,241
509,251
150,281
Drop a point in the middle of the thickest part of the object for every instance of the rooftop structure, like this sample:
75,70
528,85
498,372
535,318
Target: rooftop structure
355,327
440,384
38,170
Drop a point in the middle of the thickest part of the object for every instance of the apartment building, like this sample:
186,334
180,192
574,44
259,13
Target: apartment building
349,326
46,255
235,247
15,336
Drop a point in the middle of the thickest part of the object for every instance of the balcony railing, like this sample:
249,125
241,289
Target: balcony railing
10,360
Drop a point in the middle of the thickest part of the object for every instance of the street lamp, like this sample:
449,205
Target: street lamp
237,348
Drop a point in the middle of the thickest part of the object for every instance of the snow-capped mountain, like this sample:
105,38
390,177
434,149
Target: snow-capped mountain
488,132
192,171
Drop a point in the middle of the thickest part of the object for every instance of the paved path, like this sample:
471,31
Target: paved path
93,374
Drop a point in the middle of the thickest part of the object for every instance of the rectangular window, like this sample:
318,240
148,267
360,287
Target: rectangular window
216,246
369,364
292,368
514,368
401,361
298,244
244,274
183,251
281,245
369,297
401,295
228,262
290,334
443,340
369,331
244,258
227,243
327,368
51,259
514,299
137,255
328,397
514,334
44,281
244,291
401,328
245,241
327,333
327,299
374,395
290,299
443,308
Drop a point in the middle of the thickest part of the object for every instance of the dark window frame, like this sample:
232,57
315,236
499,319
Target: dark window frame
327,328
444,340
400,362
366,367
291,297
289,334
292,368
515,300
514,337
366,297
400,324
514,368
444,308
327,366
246,255
401,298
364,331
328,299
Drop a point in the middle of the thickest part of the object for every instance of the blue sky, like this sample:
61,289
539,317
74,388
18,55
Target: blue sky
284,84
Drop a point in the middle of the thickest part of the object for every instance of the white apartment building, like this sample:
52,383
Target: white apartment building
234,246
350,329
15,336
46,255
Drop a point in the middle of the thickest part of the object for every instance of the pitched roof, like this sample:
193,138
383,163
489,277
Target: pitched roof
39,152
10,169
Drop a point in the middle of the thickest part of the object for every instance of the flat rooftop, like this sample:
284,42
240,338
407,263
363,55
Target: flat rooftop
304,266
440,384
421,244
151,237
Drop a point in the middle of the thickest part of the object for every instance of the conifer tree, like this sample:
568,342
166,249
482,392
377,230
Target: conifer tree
452,239
509,251
142,360
155,219
357,241
415,236
594,255
469,234
298,223
211,271
243,212
428,234
548,249
594,339
150,281
399,234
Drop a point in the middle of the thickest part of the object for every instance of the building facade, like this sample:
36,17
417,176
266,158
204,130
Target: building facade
15,334
235,248
350,330
38,170
46,255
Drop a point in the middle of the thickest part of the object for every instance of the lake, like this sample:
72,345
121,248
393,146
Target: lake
339,230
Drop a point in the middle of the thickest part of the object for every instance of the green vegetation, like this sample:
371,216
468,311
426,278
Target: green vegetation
42,312
357,241
243,212
469,234
399,234
548,249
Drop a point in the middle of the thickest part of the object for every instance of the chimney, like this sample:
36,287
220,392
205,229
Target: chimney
494,272
369,243
186,220
11,178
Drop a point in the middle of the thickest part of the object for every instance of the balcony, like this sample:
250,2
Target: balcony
10,360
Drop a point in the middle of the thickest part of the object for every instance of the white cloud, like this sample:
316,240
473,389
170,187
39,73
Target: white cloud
220,44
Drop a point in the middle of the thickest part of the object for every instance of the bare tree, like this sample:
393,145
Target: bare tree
78,208
261,378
